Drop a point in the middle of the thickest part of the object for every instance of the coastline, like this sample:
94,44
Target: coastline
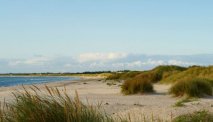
95,90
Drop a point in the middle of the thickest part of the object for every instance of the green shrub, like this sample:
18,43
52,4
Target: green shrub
200,116
54,107
192,88
136,85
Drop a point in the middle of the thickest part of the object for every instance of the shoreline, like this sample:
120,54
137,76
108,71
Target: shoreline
95,90
79,79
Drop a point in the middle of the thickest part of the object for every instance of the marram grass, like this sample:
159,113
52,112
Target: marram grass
56,106
136,85
199,116
192,88
33,106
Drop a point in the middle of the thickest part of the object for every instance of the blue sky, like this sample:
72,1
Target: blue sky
49,29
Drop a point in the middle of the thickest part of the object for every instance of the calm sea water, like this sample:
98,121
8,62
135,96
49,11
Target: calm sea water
12,81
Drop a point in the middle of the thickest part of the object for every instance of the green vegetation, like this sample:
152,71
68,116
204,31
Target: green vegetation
162,72
192,88
154,75
194,80
210,81
167,74
141,82
181,102
34,105
191,73
200,116
123,75
55,107
136,85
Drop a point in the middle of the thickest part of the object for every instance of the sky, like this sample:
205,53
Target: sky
73,35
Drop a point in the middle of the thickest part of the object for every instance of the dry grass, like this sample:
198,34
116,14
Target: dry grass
142,82
34,106
199,116
155,74
53,105
123,75
192,88
190,73
136,85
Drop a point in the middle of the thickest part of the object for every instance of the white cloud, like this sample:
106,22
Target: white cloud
150,62
182,63
37,61
14,63
68,65
105,57
154,62
40,60
96,65
135,64
98,61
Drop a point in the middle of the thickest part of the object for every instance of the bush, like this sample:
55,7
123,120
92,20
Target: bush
192,88
54,107
136,85
200,116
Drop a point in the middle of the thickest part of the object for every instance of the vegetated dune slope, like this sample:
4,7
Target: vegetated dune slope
191,72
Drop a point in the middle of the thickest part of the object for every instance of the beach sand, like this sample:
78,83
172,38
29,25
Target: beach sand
95,91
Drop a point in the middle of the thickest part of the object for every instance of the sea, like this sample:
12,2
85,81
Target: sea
13,80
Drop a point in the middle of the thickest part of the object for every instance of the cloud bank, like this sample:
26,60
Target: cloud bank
99,62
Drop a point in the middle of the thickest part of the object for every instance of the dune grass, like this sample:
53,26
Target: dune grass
165,71
123,75
136,85
56,106
199,116
192,88
210,81
155,74
182,102
191,73
34,105
167,74
142,82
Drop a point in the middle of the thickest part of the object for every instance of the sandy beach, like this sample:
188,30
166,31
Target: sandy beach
96,91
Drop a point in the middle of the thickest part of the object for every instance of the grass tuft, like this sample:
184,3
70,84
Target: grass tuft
199,116
192,88
136,85
181,102
55,106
